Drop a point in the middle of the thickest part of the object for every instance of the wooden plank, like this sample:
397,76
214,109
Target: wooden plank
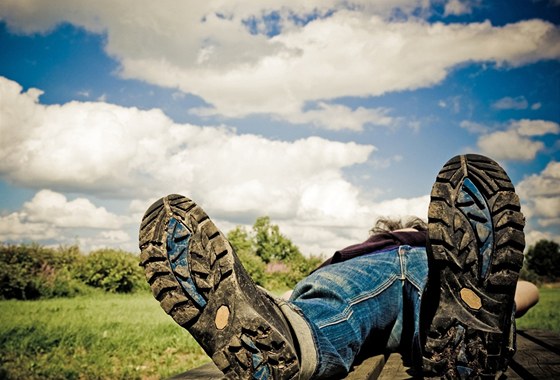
395,369
537,357
208,371
533,361
512,375
548,339
368,369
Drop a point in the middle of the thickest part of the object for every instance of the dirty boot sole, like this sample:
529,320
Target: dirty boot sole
200,283
476,247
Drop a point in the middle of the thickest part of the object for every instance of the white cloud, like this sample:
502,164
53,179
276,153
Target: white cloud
13,227
123,153
509,103
540,194
457,7
50,216
527,127
473,127
338,117
355,50
104,239
516,142
532,237
509,145
344,223
49,207
453,103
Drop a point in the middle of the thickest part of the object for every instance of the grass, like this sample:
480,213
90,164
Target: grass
95,337
106,336
546,314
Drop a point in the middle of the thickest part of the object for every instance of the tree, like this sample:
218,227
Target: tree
265,244
245,248
544,259
271,245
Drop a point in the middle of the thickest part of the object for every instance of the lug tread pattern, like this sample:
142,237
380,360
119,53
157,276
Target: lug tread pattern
462,342
186,259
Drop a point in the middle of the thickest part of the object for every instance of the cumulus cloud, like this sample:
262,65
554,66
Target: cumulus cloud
532,237
108,151
509,145
527,127
114,238
540,194
509,103
49,214
342,49
13,227
516,141
348,223
124,153
338,117
473,127
457,7
49,207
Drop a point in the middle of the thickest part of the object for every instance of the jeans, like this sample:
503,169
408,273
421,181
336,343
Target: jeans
371,302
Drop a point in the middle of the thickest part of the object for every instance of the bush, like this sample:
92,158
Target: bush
112,270
544,259
29,271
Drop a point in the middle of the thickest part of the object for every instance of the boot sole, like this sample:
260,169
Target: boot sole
476,243
195,275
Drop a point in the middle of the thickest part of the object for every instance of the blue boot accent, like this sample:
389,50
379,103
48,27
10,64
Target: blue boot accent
473,205
178,237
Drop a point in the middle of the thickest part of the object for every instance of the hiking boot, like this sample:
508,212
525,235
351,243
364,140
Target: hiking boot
198,280
475,252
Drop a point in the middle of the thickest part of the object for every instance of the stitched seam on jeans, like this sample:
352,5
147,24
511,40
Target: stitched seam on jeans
413,279
347,312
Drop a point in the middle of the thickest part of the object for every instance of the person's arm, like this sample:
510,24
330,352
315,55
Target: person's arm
526,296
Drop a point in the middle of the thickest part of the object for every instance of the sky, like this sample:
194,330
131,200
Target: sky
322,115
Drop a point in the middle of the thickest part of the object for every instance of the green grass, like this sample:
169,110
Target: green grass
546,314
95,337
106,336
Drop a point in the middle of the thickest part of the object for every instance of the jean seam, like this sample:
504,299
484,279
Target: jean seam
347,312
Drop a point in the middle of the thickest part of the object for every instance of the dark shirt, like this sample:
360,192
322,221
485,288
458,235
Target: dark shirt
377,243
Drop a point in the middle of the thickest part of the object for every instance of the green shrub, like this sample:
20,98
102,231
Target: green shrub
112,270
30,271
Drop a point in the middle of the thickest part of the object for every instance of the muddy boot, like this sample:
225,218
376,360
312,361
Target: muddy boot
475,253
198,280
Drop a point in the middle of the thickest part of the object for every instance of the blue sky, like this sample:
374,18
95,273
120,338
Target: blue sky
322,116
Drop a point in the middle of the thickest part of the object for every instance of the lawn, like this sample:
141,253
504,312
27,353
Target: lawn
546,314
95,337
126,337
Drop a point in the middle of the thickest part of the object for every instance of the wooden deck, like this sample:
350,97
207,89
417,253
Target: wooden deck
537,357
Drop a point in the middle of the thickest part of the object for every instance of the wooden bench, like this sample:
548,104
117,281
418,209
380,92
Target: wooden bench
537,357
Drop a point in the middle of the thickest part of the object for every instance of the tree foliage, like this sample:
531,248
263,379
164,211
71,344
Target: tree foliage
245,249
270,244
544,259
264,246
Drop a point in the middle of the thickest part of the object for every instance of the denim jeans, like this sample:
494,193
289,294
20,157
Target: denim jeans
371,302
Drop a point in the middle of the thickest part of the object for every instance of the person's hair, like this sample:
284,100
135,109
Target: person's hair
383,225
